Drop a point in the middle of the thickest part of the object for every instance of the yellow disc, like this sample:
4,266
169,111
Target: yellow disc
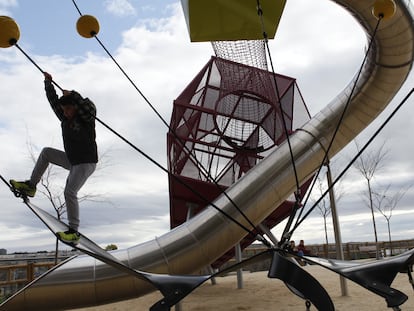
87,26
384,9
9,32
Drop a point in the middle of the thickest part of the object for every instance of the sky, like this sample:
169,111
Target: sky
150,41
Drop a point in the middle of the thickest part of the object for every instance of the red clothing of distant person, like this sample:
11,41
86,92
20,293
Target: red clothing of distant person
302,248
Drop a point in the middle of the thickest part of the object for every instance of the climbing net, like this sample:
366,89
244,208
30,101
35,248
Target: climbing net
247,52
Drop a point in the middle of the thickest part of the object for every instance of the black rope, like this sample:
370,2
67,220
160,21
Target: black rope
77,8
5,181
355,158
204,171
410,276
265,37
298,195
325,158
259,237
16,193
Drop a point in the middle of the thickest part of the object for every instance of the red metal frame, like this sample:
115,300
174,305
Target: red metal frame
223,123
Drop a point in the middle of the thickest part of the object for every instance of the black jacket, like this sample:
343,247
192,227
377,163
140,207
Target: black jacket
79,137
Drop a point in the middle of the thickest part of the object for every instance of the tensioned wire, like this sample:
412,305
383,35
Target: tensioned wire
297,193
288,232
356,157
203,170
325,158
207,201
257,236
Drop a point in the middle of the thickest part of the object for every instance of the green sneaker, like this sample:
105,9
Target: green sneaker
24,187
70,236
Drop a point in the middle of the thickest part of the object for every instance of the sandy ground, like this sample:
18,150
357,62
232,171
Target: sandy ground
262,293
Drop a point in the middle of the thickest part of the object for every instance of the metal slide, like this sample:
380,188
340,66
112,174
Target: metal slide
84,281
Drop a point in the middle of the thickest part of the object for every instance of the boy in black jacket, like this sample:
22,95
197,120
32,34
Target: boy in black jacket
77,116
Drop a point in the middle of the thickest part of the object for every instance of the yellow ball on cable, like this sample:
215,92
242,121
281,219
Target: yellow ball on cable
384,9
9,32
87,26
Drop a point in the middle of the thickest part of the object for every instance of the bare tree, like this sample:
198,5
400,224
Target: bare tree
369,164
323,206
386,203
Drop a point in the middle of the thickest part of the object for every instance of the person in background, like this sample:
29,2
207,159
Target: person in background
292,247
302,248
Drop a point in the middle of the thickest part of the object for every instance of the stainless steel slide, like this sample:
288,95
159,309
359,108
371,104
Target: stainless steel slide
85,281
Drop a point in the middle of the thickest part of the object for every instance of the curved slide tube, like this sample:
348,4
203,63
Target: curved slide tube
84,281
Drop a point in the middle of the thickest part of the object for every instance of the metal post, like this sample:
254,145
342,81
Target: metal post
337,229
269,233
190,212
239,271
211,271
178,306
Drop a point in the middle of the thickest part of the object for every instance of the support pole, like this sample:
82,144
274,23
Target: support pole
337,229
269,233
239,271
178,307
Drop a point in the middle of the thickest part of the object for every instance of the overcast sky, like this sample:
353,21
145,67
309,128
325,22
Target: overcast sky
149,39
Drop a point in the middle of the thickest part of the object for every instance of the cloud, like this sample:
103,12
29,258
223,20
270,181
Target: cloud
159,58
119,7
5,5
329,47
137,188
